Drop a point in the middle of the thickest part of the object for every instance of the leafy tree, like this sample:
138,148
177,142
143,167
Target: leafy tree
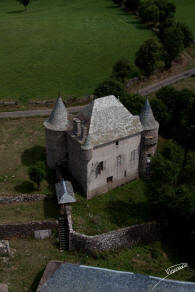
148,56
109,87
187,34
133,102
132,4
161,114
121,70
37,173
166,9
150,14
24,3
172,40
119,2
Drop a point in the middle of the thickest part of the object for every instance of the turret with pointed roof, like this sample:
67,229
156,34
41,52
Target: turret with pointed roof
55,129
149,138
147,118
58,119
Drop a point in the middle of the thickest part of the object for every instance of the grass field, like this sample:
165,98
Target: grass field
24,269
67,46
185,12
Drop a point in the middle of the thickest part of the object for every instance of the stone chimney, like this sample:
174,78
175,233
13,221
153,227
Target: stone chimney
77,127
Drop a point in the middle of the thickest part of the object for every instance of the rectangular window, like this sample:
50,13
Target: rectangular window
117,142
133,154
119,160
125,173
109,179
101,165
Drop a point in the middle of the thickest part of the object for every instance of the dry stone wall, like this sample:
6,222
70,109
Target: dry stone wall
8,231
4,199
121,238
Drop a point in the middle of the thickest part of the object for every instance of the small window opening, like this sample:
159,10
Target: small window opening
119,160
125,173
101,165
117,143
133,154
109,179
149,155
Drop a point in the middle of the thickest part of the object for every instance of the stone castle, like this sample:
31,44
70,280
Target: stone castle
104,146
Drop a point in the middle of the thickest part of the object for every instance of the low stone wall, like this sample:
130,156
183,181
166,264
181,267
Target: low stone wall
4,199
8,231
121,238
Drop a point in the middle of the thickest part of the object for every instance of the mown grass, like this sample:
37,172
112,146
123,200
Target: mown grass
22,143
185,12
24,269
188,83
29,212
67,46
121,207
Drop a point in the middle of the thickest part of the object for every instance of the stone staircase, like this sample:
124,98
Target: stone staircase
63,233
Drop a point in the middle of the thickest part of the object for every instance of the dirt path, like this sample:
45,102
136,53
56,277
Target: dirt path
34,113
151,88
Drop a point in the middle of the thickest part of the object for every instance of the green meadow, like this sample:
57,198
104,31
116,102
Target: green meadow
66,46
185,12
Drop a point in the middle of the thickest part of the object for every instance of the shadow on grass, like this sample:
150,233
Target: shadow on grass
37,153
25,187
51,208
128,213
15,11
32,155
36,281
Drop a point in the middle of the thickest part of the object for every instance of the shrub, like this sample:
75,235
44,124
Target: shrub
109,87
121,70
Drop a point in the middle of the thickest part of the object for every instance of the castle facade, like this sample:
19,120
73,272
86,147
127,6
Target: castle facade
104,146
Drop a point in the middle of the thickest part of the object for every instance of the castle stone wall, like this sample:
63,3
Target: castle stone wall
120,162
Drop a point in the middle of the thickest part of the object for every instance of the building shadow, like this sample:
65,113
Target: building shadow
51,208
34,286
128,213
25,187
32,155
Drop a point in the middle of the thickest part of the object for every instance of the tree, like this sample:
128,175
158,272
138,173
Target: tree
24,3
187,34
121,70
109,87
132,4
37,173
161,114
133,102
150,14
173,40
148,56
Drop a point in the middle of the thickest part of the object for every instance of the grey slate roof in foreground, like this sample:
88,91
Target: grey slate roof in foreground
58,119
147,118
76,278
109,120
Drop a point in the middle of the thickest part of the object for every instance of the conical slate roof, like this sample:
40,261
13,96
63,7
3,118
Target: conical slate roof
58,119
147,118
